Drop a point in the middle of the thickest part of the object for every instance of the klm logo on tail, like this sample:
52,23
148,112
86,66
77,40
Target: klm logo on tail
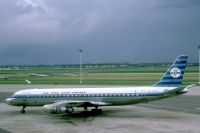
174,75
175,72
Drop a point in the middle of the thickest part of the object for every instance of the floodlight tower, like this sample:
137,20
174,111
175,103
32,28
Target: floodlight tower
199,64
81,75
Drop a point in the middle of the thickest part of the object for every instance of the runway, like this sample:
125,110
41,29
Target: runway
177,114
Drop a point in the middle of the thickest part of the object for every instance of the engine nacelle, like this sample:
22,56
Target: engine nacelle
57,109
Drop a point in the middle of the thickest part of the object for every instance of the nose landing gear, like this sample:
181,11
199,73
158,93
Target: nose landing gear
23,109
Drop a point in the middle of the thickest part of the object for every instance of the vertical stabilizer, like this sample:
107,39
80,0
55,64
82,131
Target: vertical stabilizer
174,75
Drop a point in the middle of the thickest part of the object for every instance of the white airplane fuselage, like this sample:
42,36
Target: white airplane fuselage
111,96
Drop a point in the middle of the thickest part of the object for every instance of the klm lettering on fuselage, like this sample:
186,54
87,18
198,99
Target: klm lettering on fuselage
68,92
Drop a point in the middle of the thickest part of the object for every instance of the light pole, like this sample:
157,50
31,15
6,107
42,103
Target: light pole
81,75
199,63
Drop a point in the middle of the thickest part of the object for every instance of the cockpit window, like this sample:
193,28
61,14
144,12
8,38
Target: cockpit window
16,96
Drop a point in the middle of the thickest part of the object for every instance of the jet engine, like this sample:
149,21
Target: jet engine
57,109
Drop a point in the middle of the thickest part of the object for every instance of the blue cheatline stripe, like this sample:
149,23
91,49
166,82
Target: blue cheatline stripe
182,70
170,80
169,75
179,65
184,59
181,62
183,56
169,83
89,95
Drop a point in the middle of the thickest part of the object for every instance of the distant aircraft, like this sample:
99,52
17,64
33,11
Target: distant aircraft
27,81
54,74
37,74
63,100
3,77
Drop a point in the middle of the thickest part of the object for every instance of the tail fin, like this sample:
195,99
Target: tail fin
174,75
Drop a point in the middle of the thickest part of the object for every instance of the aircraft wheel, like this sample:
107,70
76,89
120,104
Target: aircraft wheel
69,110
96,111
85,113
93,111
99,111
23,111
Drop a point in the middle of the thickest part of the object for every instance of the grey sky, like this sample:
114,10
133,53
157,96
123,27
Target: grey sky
135,31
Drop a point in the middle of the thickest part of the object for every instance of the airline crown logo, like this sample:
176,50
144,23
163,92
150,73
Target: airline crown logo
175,72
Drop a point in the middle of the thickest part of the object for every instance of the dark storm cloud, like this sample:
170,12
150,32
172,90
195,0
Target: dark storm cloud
51,32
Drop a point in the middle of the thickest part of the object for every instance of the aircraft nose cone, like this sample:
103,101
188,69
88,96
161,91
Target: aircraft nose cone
9,100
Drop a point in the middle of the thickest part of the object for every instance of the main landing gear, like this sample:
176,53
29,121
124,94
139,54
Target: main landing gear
23,109
94,111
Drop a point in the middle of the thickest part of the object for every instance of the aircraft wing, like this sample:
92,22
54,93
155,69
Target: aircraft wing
74,103
69,105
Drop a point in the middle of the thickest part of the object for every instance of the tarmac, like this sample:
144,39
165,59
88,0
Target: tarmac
174,115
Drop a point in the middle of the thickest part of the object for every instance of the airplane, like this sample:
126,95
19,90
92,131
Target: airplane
40,75
64,100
